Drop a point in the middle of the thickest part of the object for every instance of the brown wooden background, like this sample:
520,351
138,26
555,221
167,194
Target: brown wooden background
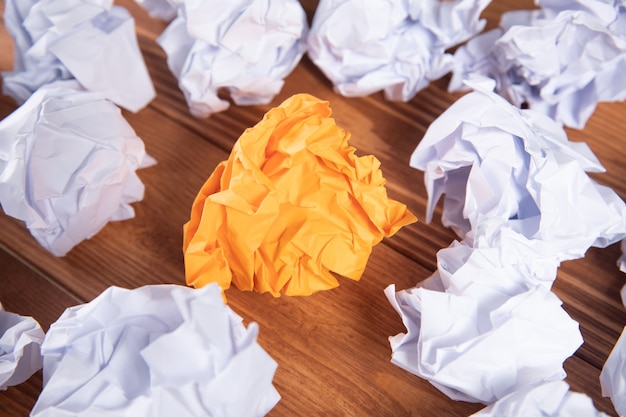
332,347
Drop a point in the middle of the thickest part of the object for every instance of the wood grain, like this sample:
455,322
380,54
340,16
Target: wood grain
332,347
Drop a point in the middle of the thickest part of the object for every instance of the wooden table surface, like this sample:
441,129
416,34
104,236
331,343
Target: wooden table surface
332,349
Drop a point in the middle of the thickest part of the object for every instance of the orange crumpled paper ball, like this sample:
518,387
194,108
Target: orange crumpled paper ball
292,203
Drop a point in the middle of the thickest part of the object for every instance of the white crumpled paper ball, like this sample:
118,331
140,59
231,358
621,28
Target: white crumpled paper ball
479,329
67,165
494,161
92,42
20,341
161,350
246,47
550,399
395,46
557,61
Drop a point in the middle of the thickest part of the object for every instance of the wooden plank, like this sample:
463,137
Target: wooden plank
28,292
590,289
604,133
17,401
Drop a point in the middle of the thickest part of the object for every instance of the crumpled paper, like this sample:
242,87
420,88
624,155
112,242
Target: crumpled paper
613,375
20,340
162,350
67,165
398,47
612,14
159,9
246,47
559,62
551,399
494,267
292,203
90,41
485,324
496,162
